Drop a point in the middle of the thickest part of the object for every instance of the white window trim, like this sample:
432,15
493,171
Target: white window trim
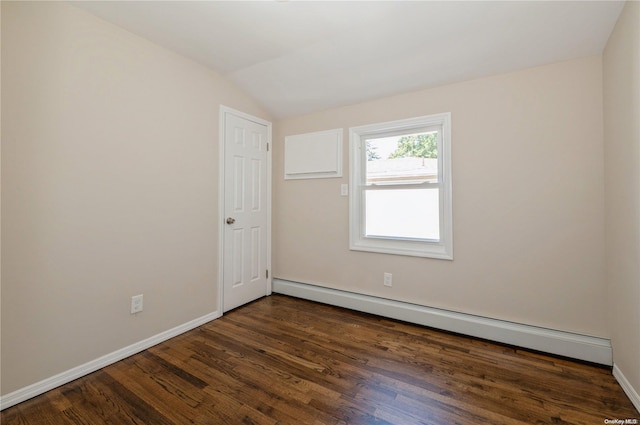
442,249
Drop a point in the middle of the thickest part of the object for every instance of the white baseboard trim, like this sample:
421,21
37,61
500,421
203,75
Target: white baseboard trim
631,392
577,346
45,385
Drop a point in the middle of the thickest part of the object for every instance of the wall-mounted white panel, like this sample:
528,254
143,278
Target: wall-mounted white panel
313,155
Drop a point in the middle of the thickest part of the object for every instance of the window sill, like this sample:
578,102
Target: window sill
435,250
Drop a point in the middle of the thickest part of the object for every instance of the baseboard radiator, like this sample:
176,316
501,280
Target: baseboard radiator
568,344
577,346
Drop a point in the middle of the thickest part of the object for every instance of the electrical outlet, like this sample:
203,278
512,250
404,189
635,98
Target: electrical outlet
388,279
136,304
344,190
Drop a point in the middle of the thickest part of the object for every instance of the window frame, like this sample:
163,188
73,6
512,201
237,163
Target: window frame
358,241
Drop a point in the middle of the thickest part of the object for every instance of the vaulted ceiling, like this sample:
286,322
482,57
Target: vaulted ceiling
297,57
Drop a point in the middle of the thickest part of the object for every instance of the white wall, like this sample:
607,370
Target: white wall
109,188
622,172
528,202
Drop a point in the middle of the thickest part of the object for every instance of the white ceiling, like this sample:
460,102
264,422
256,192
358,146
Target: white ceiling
297,57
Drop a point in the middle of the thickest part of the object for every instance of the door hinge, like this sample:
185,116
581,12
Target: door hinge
267,147
267,274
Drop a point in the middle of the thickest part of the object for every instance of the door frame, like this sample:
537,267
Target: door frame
224,111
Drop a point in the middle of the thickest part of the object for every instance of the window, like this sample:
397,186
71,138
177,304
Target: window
401,187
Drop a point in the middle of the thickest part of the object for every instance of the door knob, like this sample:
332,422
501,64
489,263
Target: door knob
231,220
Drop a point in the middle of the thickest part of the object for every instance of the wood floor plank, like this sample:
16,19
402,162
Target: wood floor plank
282,360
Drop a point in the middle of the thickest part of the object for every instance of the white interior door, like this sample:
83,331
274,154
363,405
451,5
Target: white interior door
246,209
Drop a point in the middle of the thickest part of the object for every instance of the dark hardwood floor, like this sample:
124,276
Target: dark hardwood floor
281,360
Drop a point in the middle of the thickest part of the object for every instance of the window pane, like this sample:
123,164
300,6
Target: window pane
409,158
402,213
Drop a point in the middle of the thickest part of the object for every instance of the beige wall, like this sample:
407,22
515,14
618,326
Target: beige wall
622,172
109,188
528,208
